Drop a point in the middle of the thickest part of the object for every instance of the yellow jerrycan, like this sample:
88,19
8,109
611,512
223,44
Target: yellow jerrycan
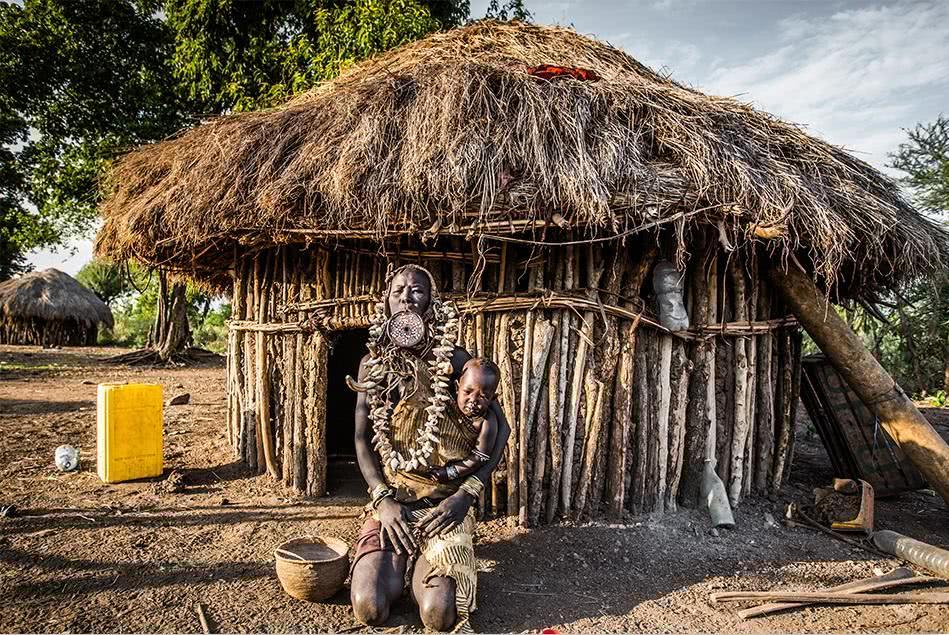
129,433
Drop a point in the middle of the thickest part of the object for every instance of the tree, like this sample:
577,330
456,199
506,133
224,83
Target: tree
79,81
82,80
924,320
109,281
232,56
510,10
925,159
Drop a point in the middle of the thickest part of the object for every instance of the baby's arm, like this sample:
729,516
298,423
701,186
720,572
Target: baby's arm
481,454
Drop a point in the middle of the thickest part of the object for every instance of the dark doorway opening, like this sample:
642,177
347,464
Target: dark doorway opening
343,477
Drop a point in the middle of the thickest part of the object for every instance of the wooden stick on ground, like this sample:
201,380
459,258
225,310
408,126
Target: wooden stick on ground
835,598
896,577
813,524
203,618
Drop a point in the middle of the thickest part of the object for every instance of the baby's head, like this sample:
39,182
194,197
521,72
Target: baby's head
477,386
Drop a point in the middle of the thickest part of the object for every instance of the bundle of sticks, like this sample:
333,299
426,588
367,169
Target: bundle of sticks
850,593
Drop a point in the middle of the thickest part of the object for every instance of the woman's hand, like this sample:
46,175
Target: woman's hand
394,520
447,515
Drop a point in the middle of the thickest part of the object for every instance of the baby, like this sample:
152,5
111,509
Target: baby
477,386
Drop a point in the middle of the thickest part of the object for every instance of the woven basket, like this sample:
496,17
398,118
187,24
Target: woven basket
312,568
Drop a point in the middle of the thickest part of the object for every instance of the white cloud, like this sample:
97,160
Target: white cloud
667,56
668,5
852,77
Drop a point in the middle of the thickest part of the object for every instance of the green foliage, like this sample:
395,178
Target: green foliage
135,312
82,80
912,340
510,10
925,160
234,55
79,81
924,321
939,400
211,332
107,280
12,243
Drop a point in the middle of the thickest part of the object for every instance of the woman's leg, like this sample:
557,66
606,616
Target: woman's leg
435,598
375,585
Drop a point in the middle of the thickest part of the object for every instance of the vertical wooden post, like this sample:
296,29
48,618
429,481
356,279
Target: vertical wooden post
316,363
523,424
679,373
765,425
250,388
510,409
594,271
663,428
562,367
751,452
711,347
316,428
697,421
740,431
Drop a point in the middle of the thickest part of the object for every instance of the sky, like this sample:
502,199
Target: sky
855,73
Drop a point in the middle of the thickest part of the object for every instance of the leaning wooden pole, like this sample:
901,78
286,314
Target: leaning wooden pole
863,373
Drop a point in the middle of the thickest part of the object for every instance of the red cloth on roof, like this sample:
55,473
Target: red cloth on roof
550,71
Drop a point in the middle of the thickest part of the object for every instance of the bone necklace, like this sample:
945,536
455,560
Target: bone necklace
387,365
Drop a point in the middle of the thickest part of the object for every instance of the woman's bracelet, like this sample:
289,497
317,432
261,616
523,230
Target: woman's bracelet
472,485
380,492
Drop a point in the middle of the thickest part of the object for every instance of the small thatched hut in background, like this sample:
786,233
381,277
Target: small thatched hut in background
50,308
541,198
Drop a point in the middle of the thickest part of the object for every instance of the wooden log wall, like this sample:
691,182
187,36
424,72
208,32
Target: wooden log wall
608,414
47,333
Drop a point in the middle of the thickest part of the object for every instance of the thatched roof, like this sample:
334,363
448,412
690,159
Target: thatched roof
453,127
51,295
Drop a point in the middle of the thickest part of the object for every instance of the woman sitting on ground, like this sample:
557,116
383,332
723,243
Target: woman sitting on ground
406,422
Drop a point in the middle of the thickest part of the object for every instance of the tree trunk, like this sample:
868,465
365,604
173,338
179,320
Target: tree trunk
170,333
863,373
945,368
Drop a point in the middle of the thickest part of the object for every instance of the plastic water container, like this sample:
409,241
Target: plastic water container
129,434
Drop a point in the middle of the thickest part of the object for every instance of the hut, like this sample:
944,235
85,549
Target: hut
50,308
542,176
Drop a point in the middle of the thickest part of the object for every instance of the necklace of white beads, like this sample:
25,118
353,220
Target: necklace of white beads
388,365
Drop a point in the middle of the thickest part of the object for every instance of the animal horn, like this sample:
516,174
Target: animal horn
356,386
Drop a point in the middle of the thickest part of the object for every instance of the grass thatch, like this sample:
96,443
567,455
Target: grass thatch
453,126
51,296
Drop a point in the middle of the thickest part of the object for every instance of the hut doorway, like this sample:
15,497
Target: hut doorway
343,476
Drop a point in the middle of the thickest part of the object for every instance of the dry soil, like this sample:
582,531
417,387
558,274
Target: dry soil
79,555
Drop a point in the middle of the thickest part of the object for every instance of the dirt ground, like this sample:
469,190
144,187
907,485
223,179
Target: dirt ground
79,555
